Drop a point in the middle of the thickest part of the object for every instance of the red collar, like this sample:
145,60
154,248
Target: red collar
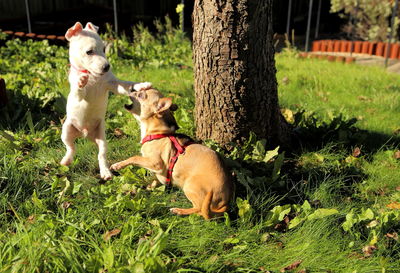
179,150
153,137
79,70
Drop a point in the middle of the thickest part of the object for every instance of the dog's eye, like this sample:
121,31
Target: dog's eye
90,52
142,95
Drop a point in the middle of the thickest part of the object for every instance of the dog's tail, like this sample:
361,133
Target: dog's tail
206,211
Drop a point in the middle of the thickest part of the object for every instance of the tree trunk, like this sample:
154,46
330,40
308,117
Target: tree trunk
235,83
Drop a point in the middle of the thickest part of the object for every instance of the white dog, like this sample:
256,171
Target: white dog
90,80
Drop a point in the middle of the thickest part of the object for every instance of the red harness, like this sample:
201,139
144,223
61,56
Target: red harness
179,150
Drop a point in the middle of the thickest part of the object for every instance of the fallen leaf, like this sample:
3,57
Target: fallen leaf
356,255
397,154
236,263
31,219
66,205
356,152
398,188
285,80
262,269
214,258
288,115
292,266
394,205
393,235
118,132
279,245
283,225
107,236
372,224
368,250
364,98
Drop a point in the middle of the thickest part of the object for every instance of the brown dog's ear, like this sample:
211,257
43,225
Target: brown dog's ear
163,105
173,107
75,30
89,26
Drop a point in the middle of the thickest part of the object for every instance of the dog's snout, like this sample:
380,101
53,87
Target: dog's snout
106,67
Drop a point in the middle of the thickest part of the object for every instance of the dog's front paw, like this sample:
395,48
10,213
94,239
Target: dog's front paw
106,174
83,80
142,86
66,161
116,166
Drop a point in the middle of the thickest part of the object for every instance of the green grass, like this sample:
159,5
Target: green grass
56,219
369,94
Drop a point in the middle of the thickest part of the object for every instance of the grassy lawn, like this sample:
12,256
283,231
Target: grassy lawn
330,205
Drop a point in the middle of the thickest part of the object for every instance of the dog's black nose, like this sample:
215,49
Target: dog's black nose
106,67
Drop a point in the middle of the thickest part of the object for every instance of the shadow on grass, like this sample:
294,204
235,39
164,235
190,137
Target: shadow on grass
323,166
311,133
22,111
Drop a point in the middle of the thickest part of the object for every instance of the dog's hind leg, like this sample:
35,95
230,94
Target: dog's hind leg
201,201
99,137
68,136
205,206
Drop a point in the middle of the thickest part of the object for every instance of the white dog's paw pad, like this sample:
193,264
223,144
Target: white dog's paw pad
142,86
105,174
83,80
66,161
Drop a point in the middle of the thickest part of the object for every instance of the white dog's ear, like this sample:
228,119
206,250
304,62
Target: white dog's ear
163,105
75,30
91,27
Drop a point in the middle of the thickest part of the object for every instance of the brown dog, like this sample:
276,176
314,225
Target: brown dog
194,168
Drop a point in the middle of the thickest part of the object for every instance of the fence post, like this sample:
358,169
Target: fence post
308,25
28,16
115,17
318,19
289,13
388,46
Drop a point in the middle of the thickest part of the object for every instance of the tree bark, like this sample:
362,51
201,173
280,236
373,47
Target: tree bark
235,83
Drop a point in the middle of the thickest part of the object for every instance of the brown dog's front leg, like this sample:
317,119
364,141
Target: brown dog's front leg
144,162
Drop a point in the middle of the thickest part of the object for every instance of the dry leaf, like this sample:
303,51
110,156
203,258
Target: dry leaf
368,250
107,236
31,219
364,98
282,226
372,224
66,205
285,80
262,269
118,132
288,115
394,205
292,266
393,235
356,152
397,154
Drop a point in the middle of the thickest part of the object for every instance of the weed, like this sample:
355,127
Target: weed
330,204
